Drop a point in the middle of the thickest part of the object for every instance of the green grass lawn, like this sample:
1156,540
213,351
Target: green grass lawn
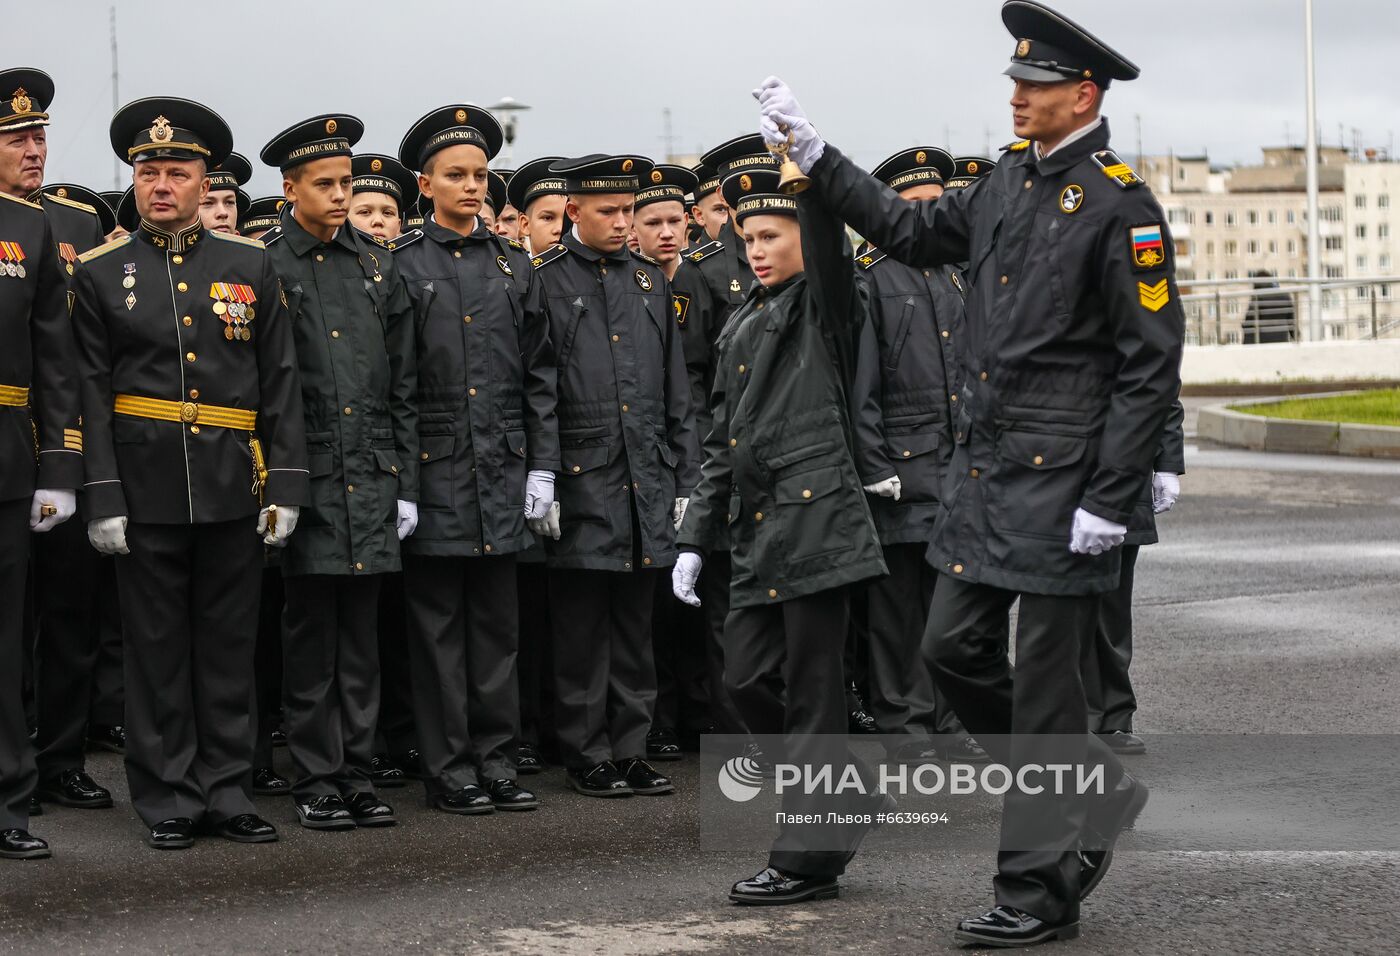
1381,407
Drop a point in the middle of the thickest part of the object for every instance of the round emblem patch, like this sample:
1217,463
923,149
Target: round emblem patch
644,280
745,183
1023,49
461,116
627,165
376,164
505,266
332,126
1072,198
921,157
972,168
656,176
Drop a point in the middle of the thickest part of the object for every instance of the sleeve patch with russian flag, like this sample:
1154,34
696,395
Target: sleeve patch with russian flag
1148,250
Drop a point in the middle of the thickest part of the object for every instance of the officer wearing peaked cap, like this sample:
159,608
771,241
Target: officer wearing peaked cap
1075,333
225,202
194,434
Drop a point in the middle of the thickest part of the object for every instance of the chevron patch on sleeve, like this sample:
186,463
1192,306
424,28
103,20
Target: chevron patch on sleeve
1154,297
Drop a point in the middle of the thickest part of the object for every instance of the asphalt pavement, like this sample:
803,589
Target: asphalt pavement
1270,607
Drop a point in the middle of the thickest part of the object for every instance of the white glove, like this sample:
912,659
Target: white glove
408,519
678,511
889,488
1166,488
61,498
283,526
108,535
549,524
1094,535
781,109
539,493
684,575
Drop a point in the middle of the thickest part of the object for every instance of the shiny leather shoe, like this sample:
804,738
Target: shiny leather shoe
965,749
174,834
772,887
1124,742
1116,811
411,762
1005,927
507,795
327,812
17,844
643,778
74,788
599,780
369,811
36,809
528,760
468,801
247,828
108,737
663,744
269,783
383,772
859,722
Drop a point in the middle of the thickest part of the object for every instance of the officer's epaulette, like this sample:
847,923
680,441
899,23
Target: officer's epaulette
549,255
22,202
271,236
514,244
645,258
1116,170
708,249
407,239
1020,146
105,248
71,202
870,258
229,237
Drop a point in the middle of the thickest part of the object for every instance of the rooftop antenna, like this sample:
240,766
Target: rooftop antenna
116,95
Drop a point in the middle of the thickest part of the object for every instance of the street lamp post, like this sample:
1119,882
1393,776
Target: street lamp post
1314,227
506,112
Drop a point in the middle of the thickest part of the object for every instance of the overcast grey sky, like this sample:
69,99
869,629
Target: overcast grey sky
1224,76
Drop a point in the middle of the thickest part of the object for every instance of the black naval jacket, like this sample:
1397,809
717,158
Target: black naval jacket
779,470
353,326
159,336
907,371
626,432
1075,342
486,388
36,354
1171,456
76,228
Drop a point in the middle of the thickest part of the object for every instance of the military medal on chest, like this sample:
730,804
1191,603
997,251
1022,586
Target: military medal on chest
129,279
234,304
12,259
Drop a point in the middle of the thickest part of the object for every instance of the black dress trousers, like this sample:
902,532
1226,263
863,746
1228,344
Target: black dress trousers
267,666
1107,657
536,670
189,603
395,734
713,590
17,774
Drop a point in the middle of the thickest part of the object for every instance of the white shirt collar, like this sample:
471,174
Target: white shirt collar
1074,137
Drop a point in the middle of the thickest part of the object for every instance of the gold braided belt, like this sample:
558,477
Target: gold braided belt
14,396
190,413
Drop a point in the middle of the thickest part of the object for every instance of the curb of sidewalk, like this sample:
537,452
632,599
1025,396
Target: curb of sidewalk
1223,426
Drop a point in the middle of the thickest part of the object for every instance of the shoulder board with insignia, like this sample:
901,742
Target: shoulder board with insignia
1117,170
370,237
271,236
226,237
708,249
1020,146
105,248
645,258
514,244
407,239
22,202
871,258
70,202
551,254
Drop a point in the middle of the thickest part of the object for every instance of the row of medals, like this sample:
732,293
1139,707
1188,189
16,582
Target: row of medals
236,315
13,269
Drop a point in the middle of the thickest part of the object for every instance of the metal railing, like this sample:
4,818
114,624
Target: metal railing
1263,310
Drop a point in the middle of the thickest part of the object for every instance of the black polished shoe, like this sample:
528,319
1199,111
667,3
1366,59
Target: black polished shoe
468,801
327,812
965,749
1116,811
599,780
175,834
36,809
269,783
663,744
369,811
411,762
772,887
643,778
108,737
1124,742
74,788
247,828
1005,927
17,844
527,760
383,772
507,795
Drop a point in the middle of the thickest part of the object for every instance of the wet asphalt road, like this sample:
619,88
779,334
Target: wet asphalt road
1270,606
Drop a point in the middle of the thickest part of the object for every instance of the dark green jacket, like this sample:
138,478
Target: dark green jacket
779,469
353,325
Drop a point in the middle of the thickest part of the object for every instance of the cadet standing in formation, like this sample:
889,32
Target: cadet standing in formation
225,202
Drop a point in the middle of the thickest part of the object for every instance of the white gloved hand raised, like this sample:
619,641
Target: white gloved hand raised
108,535
63,501
780,109
408,519
889,488
282,527
684,575
678,511
1166,489
1094,535
539,493
548,525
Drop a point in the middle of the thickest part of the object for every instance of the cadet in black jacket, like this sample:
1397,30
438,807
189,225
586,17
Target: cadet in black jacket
194,433
353,326
1075,329
780,474
629,461
490,447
